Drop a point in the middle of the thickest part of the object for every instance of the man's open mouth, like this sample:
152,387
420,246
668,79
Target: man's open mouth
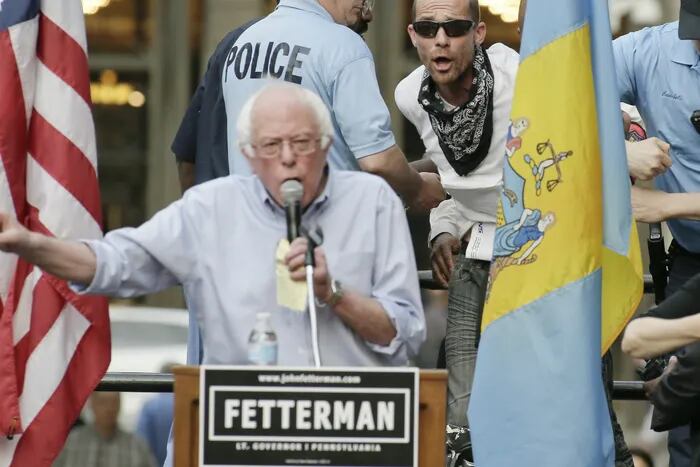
442,63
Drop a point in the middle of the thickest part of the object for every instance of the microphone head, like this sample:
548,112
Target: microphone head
317,235
291,191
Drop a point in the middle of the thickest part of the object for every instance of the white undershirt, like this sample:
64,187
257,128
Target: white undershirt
474,196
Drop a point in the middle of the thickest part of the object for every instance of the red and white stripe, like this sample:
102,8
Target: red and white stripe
54,344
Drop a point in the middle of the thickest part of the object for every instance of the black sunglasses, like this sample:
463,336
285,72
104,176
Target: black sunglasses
453,27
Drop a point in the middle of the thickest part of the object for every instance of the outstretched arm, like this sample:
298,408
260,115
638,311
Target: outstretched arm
658,206
671,325
68,260
649,337
424,165
421,191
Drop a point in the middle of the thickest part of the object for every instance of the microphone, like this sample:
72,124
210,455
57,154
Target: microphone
292,192
315,238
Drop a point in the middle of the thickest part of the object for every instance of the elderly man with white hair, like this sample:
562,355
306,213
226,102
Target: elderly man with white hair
219,241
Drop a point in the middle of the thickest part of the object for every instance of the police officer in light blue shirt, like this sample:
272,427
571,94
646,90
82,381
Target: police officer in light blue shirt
660,73
308,42
301,43
658,70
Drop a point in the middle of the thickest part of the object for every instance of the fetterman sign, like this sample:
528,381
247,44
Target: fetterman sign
300,416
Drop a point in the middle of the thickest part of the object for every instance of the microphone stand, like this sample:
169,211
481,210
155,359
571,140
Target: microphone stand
309,262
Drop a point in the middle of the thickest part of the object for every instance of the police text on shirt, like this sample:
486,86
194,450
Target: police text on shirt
257,61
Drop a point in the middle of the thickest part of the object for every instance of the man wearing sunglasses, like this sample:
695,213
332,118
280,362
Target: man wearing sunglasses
658,70
459,101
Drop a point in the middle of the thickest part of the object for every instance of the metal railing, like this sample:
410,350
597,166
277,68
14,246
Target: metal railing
427,282
163,382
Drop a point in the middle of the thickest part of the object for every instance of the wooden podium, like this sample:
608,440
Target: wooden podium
431,417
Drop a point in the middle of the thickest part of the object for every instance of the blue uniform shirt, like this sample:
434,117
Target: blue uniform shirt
300,43
660,74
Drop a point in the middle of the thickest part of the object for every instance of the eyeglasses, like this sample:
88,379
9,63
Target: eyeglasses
453,27
272,148
367,7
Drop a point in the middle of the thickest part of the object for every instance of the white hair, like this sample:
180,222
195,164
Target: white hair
244,125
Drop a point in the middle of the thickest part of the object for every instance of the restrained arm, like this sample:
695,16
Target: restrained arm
421,192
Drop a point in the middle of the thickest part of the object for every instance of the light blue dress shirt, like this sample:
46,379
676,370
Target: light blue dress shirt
299,42
660,74
219,242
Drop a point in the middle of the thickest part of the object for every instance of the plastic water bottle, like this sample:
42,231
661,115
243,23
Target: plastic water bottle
262,343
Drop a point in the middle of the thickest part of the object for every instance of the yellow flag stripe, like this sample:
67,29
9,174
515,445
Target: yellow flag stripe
622,289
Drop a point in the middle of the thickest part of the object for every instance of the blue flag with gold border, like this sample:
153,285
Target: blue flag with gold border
566,274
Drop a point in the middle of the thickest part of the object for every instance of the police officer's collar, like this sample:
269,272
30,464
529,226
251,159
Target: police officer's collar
685,53
311,6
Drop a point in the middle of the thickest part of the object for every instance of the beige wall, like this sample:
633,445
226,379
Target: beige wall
221,16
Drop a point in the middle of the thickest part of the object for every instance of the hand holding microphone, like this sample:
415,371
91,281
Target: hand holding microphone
297,258
295,261
305,260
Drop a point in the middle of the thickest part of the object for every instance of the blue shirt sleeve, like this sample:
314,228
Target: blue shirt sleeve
158,254
395,279
625,52
359,109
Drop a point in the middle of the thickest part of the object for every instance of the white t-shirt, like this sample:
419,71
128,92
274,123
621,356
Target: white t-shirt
474,196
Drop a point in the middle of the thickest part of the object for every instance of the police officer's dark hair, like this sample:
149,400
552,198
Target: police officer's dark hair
473,10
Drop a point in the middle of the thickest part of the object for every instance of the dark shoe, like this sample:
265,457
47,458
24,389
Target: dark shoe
459,447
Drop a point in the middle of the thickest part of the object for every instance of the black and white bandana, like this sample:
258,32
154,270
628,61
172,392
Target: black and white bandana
464,132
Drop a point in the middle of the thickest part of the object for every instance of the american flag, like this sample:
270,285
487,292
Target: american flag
54,345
